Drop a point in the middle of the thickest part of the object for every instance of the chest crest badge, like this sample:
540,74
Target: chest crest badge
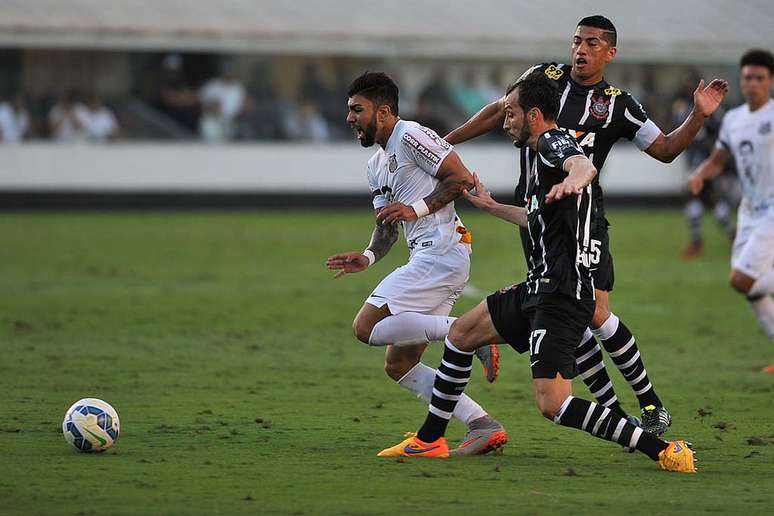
764,128
600,106
392,164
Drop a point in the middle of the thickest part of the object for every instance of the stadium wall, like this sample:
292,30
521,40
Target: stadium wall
153,175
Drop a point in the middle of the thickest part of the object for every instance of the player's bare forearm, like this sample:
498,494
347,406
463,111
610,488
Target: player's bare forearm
489,118
513,214
382,239
709,168
667,147
453,178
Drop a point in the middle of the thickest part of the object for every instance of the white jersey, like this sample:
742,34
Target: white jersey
749,136
404,171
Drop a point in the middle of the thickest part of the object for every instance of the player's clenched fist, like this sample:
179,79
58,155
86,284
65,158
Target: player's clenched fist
347,263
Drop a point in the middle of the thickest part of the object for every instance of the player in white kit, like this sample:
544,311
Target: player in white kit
414,178
747,133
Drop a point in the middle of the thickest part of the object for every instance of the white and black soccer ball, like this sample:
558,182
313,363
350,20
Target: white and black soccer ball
91,425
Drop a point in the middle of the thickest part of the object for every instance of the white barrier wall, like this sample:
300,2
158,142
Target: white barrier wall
271,167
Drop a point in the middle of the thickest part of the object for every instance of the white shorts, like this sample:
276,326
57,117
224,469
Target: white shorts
753,252
428,283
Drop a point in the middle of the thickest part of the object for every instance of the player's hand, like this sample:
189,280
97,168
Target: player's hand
479,196
564,189
347,263
695,184
706,100
396,212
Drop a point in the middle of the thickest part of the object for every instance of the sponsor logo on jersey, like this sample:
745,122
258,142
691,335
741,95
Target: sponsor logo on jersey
421,150
392,163
612,91
552,72
599,107
436,139
764,128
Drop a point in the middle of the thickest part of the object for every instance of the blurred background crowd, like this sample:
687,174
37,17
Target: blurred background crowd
98,96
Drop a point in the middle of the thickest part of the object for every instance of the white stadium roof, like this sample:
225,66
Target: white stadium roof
711,31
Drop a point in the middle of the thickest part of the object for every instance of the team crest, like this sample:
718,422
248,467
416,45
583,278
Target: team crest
553,72
612,91
392,163
764,128
599,107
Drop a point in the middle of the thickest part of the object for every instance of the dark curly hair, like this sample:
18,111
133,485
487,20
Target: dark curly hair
537,90
377,87
758,57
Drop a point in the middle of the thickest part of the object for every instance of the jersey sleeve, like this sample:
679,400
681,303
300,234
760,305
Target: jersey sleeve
724,138
423,146
637,126
378,196
554,148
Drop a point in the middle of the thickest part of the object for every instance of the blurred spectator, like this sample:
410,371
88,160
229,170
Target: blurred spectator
436,98
468,96
426,117
63,122
225,102
97,120
306,123
212,124
14,120
176,98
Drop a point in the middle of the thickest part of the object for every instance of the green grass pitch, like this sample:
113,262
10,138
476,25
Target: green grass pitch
225,346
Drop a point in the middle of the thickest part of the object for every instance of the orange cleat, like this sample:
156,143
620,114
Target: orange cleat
769,369
413,447
691,251
490,361
677,457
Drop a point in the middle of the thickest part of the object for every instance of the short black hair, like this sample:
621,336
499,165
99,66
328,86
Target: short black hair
537,90
600,22
377,87
758,57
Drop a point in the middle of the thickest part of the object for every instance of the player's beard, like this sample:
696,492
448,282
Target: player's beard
521,140
369,133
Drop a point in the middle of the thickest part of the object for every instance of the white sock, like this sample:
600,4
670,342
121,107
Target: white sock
764,311
420,381
763,286
409,328
608,328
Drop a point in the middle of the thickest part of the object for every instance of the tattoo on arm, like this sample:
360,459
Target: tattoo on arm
448,189
382,239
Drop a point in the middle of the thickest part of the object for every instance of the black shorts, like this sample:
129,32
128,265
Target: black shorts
549,326
600,259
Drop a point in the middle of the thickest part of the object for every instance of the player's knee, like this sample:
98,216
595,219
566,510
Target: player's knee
547,407
461,336
742,283
397,367
362,330
601,314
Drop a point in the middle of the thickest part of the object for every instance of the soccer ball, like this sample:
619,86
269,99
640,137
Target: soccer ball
91,425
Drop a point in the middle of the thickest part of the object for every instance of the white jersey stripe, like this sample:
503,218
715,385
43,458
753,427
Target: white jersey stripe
586,111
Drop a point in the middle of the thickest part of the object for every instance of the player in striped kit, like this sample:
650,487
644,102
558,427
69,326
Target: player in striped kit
550,310
598,114
747,134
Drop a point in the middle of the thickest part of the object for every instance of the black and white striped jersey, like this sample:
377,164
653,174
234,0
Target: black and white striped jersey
597,116
558,241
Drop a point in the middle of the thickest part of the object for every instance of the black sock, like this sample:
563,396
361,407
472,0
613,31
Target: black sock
591,366
604,423
622,348
451,377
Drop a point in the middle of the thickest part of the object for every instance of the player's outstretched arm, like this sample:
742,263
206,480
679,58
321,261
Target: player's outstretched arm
580,171
382,240
489,118
454,178
482,199
709,168
705,101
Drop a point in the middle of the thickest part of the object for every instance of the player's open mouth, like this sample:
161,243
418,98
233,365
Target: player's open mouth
580,61
359,133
